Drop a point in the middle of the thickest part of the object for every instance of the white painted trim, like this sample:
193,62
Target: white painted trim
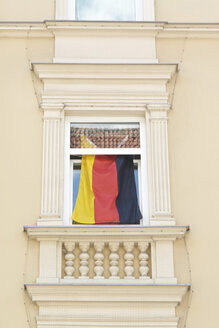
99,232
71,189
61,11
139,10
72,161
101,119
155,305
148,10
105,60
145,29
94,151
104,151
71,9
66,174
144,172
138,162
108,106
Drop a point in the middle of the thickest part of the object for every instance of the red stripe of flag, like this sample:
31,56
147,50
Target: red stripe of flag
105,189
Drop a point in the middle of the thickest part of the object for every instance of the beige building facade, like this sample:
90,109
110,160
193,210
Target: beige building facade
159,71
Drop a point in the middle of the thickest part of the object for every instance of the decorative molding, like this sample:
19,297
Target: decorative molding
133,86
113,233
112,84
21,29
119,305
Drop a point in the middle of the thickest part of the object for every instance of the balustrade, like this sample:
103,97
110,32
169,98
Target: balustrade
121,262
106,255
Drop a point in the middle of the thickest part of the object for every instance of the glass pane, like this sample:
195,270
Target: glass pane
105,135
76,181
136,179
111,10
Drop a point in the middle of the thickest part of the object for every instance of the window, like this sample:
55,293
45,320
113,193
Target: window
108,10
104,136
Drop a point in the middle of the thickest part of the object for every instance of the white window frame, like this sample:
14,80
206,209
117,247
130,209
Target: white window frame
68,187
71,9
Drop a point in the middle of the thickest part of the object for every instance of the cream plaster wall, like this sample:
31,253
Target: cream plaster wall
193,147
20,167
165,10
26,10
186,10
194,162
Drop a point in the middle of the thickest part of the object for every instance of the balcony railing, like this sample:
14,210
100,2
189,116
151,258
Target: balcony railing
105,254
109,260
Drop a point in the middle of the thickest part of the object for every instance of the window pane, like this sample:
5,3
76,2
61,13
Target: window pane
112,10
136,179
106,135
76,181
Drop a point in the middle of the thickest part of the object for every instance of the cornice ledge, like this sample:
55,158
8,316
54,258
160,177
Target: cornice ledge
158,107
161,29
92,292
117,233
51,106
160,71
19,29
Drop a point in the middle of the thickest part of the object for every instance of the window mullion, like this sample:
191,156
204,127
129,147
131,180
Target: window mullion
105,151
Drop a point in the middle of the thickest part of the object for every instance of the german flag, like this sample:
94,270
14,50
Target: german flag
107,192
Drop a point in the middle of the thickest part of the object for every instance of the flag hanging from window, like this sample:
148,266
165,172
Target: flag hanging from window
107,191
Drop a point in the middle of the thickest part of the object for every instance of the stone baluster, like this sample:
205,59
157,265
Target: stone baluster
114,260
143,260
99,257
129,260
69,260
84,257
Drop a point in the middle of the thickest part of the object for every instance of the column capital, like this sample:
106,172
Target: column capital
158,110
52,110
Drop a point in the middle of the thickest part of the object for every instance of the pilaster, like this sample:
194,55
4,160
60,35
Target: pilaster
52,166
160,209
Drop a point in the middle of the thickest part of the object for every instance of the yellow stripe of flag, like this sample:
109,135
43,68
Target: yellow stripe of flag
84,207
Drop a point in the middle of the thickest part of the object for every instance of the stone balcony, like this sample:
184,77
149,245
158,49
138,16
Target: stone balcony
106,276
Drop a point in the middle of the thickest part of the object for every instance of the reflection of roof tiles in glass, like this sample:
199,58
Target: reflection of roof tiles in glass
104,138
